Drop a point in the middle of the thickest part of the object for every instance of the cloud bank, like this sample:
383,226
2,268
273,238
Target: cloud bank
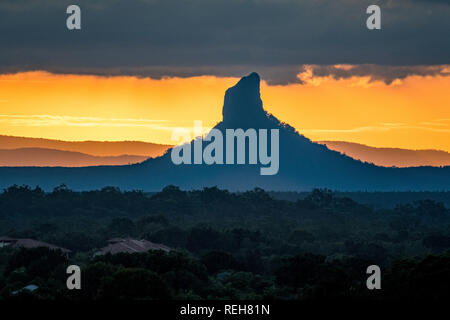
158,38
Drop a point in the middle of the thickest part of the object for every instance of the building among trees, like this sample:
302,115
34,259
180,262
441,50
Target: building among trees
120,245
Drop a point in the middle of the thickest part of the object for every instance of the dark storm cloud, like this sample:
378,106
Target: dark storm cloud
378,73
447,2
222,37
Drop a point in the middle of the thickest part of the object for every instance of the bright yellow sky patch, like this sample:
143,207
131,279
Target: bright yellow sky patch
412,113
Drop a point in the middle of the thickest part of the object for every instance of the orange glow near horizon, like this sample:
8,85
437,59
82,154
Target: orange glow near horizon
412,113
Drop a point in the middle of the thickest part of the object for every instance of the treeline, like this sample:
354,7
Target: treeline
208,219
226,245
384,199
179,275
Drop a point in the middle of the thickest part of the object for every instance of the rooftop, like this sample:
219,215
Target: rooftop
29,243
119,245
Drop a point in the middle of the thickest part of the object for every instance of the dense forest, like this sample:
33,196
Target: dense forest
248,245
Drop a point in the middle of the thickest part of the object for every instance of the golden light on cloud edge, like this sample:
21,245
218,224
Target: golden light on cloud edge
410,113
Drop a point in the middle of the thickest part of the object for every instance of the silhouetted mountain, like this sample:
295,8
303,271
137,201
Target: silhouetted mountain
242,107
302,163
39,157
390,157
94,148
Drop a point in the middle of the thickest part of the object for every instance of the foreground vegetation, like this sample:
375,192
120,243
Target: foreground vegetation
227,245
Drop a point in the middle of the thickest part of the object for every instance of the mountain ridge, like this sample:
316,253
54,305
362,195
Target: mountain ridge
94,148
390,157
41,157
303,165
380,156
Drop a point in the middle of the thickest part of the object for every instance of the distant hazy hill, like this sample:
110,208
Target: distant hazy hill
39,157
302,164
94,148
390,157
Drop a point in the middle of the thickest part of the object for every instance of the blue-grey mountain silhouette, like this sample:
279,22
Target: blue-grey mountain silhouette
303,164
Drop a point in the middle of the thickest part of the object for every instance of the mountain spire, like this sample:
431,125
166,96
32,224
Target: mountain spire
243,106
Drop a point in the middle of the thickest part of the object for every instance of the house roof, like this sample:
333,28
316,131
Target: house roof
6,239
31,243
118,245
30,288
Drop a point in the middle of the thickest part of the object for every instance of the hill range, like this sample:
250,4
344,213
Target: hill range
40,157
32,152
303,164
93,148
390,157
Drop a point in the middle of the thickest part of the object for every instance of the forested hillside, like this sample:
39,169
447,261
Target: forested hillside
226,245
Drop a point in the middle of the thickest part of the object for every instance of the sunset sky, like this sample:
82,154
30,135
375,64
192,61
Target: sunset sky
410,113
138,69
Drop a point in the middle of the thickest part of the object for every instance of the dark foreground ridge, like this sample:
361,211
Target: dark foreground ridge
303,164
